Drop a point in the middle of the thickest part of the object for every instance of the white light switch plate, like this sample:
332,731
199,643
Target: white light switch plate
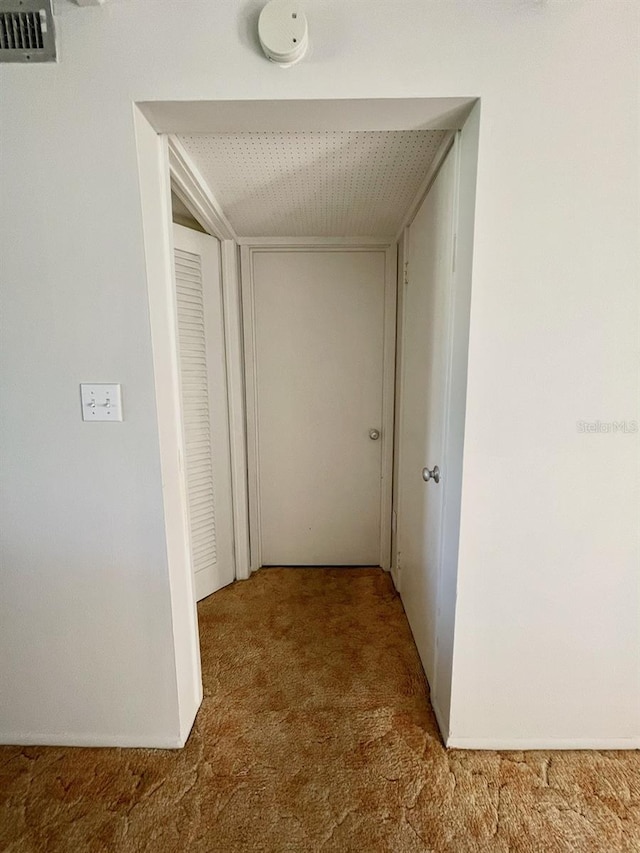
101,402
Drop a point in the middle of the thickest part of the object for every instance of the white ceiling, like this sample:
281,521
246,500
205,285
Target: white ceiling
315,184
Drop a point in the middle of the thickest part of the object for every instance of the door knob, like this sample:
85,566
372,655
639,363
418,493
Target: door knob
374,434
431,475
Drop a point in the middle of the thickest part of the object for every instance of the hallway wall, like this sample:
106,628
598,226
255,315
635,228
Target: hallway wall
547,643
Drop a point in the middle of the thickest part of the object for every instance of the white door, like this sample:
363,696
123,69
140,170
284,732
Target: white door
425,366
318,369
205,415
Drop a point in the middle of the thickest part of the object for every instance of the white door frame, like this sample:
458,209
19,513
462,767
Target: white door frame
297,244
191,189
152,122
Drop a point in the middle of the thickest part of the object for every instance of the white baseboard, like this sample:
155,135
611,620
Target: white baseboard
455,742
444,728
92,740
186,724
66,739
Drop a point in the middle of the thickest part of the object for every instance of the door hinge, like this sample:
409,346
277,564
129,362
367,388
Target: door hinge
406,273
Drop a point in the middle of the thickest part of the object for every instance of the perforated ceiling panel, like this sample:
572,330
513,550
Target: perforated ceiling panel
315,184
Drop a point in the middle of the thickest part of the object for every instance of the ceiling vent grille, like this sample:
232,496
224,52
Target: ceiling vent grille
27,32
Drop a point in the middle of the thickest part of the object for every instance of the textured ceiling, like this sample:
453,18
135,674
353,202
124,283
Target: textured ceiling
315,184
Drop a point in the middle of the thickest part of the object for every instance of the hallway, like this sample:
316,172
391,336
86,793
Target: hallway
315,733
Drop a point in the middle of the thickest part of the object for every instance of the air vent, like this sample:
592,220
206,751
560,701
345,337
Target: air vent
27,32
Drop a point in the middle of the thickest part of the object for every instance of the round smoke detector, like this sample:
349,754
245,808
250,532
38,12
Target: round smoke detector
283,32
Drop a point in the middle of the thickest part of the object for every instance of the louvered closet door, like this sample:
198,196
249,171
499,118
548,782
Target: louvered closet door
204,408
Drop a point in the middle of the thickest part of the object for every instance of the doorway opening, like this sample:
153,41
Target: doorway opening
310,310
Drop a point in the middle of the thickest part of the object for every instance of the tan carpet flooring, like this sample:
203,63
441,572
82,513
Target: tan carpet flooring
315,734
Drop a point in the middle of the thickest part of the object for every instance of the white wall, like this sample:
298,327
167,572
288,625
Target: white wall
547,622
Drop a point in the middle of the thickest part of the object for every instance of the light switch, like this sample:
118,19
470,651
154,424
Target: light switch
101,402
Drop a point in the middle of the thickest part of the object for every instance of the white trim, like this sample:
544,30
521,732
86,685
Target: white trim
403,256
224,116
193,192
451,742
155,197
388,403
545,743
319,243
246,275
395,573
297,242
425,186
444,729
232,310
388,391
142,741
